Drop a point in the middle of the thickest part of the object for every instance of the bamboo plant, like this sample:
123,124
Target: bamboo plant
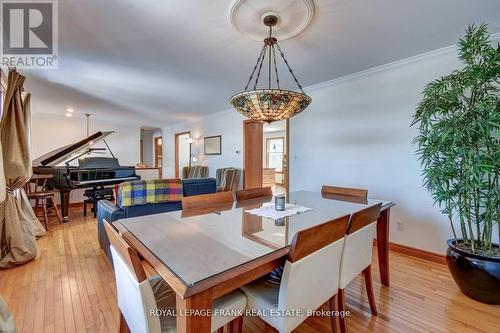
459,142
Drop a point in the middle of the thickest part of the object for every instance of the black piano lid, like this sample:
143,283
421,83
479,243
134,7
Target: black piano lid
64,153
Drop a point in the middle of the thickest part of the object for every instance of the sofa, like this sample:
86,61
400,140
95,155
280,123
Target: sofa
155,197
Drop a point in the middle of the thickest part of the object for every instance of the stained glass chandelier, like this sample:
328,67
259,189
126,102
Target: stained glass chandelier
271,104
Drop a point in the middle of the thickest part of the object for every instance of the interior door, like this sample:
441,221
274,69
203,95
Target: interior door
252,153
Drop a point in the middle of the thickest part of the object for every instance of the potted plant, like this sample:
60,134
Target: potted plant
459,148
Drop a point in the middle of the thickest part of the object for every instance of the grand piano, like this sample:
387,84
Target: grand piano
91,172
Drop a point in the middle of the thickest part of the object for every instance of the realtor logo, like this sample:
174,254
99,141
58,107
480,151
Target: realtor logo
29,33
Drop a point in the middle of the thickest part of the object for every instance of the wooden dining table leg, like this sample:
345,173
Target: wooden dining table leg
383,246
193,313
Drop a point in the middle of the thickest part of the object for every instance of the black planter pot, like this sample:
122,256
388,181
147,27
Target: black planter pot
477,276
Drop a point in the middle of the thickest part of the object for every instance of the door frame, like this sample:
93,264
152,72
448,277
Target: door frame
176,155
286,153
259,155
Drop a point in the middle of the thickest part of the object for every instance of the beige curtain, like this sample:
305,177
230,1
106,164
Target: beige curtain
19,226
2,175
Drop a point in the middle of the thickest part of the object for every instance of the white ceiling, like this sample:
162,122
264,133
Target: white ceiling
173,61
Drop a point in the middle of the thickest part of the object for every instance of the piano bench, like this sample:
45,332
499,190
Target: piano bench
93,196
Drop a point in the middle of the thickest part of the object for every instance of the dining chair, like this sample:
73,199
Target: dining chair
36,189
139,295
310,278
207,200
254,193
357,255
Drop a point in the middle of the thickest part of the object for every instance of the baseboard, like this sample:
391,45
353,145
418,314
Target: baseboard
418,253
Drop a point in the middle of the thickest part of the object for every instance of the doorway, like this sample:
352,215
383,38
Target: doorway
158,156
151,147
266,148
181,152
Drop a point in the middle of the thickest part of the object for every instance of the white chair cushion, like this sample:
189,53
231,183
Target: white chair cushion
165,300
235,301
262,296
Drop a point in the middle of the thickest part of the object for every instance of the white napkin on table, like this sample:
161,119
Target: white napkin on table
267,210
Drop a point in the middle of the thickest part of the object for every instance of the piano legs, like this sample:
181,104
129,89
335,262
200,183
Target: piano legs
64,204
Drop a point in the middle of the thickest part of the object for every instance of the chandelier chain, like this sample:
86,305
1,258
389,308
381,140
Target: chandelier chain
269,73
255,67
289,69
276,67
260,67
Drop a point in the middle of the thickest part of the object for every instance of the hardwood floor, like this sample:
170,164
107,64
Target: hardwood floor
70,288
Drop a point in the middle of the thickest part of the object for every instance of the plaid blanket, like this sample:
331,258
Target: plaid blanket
143,192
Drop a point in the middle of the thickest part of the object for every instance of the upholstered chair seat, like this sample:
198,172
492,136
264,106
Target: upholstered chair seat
263,295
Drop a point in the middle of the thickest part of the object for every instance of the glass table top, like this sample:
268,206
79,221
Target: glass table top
197,246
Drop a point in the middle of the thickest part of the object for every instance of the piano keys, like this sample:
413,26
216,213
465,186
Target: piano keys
91,172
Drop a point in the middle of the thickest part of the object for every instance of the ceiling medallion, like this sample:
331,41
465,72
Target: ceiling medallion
271,104
294,17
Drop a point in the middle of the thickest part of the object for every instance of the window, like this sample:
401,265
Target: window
274,153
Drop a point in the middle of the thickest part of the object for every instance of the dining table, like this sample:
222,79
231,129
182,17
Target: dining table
206,253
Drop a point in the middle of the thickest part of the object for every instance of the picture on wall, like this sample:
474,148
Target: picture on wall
213,145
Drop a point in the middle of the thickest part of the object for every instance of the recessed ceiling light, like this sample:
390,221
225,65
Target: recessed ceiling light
68,114
70,110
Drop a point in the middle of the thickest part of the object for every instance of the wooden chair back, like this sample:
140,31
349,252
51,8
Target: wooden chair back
207,200
314,238
254,193
36,184
128,254
345,191
363,218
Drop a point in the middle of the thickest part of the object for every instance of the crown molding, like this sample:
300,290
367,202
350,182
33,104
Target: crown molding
398,63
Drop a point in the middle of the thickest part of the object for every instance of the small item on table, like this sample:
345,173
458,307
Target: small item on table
279,203
279,222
